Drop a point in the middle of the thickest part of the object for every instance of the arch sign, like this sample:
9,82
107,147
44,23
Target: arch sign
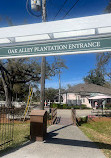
91,34
55,48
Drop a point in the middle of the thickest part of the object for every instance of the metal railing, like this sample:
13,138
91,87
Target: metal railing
6,126
101,112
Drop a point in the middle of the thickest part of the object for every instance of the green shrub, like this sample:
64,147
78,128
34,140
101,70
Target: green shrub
82,120
69,107
54,105
82,106
76,106
60,106
65,106
108,106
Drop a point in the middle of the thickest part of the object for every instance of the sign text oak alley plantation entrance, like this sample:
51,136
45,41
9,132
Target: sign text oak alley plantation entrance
90,45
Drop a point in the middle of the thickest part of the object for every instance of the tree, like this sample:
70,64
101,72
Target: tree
20,92
104,64
20,72
69,86
95,77
101,75
50,93
108,8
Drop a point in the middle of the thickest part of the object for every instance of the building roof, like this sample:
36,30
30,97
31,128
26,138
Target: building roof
102,96
88,88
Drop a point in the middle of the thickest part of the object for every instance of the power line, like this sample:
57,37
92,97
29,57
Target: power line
52,4
60,9
70,9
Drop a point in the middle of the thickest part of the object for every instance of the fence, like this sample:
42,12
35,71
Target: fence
74,116
6,126
101,112
53,115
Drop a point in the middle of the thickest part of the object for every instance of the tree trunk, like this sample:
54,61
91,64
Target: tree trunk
8,96
8,92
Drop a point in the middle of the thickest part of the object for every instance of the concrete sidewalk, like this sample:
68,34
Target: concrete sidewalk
62,142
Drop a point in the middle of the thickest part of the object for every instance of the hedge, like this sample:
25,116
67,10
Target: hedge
108,106
65,106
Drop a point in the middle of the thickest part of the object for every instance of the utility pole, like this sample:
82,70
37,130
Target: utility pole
43,64
36,6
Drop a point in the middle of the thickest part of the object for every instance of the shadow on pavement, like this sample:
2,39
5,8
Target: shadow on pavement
13,149
58,120
78,143
70,142
60,128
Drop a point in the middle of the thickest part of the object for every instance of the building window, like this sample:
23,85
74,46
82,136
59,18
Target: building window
108,100
78,97
83,100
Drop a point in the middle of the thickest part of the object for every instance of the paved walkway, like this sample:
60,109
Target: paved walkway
65,117
63,141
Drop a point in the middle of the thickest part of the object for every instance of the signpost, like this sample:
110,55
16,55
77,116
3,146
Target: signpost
89,45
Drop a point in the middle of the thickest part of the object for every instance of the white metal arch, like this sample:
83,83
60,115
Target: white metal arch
51,32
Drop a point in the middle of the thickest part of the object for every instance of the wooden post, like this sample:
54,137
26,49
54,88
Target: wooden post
74,116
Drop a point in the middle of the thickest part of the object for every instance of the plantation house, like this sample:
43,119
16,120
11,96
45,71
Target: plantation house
88,94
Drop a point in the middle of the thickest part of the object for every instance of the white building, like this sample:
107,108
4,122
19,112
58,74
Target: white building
82,93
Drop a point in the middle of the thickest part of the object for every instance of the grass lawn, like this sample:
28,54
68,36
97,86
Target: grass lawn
99,131
21,135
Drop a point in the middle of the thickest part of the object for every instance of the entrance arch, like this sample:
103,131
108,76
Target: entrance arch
74,36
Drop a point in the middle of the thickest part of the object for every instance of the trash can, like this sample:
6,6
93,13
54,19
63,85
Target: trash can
38,125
